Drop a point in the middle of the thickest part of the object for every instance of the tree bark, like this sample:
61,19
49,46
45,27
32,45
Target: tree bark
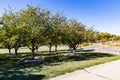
9,50
37,48
32,48
74,49
16,50
56,47
33,53
50,46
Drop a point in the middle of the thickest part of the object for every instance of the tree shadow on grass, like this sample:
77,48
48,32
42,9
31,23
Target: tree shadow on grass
17,71
92,55
19,75
14,72
6,59
86,56
70,51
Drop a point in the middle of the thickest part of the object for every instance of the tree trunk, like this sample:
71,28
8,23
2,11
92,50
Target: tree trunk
16,50
70,49
33,53
74,49
91,42
9,50
37,49
32,48
50,48
56,47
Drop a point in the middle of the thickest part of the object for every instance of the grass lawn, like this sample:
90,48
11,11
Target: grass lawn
54,65
25,49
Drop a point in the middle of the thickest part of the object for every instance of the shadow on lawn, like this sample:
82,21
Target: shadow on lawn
85,56
77,50
92,55
13,71
10,69
19,75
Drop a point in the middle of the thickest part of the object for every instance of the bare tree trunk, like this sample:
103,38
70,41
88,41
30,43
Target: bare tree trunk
74,49
32,48
70,49
37,48
50,46
33,53
9,50
16,50
56,47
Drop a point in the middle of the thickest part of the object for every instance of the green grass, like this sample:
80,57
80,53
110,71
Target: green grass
25,49
54,65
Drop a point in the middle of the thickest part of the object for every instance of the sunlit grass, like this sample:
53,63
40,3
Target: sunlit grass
25,49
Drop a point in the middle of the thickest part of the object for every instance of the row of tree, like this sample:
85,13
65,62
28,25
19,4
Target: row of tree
36,26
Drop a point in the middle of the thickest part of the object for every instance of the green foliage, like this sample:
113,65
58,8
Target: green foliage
11,30
91,35
53,32
34,21
36,26
74,34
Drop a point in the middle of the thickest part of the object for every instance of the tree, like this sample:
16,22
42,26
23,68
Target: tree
6,39
74,34
54,30
11,28
34,21
91,35
105,35
6,32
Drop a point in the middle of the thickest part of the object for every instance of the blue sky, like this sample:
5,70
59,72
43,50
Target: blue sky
104,15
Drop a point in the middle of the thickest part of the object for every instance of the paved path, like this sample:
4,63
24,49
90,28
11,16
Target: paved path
105,50
107,71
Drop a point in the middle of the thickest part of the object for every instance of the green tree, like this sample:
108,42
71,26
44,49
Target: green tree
34,21
91,35
74,34
6,39
11,27
6,33
54,30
